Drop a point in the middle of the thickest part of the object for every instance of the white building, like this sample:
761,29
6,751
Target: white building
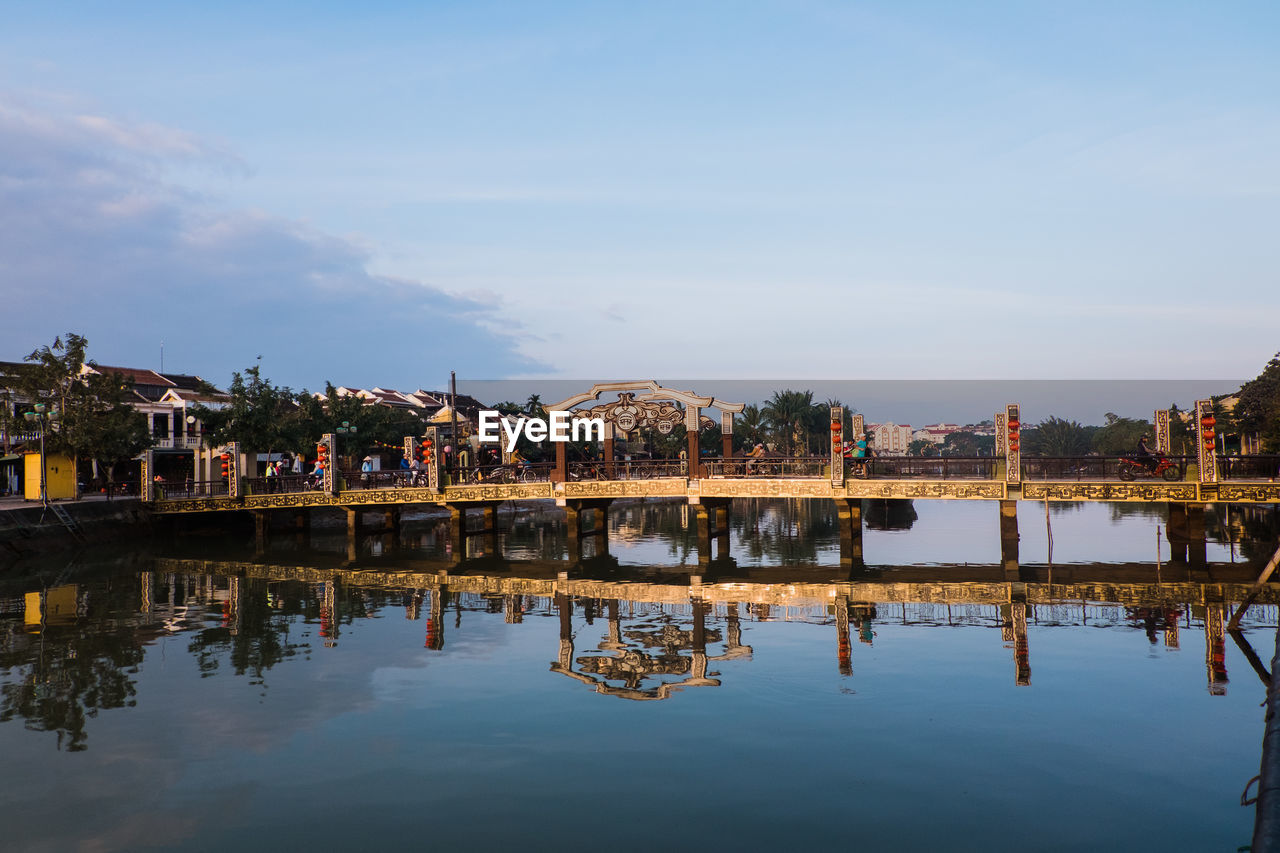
891,439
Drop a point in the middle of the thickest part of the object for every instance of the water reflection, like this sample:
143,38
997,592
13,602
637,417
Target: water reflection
404,675
71,651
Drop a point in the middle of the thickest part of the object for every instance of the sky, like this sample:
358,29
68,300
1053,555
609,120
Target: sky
746,190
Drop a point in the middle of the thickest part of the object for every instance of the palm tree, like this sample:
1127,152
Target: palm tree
533,406
790,413
751,426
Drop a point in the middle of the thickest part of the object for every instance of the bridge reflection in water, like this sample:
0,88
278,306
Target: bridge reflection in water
663,635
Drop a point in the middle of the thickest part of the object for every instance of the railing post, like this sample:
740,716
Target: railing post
1013,446
1163,445
837,446
1206,442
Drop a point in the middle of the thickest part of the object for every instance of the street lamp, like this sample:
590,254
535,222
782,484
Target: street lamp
43,417
346,429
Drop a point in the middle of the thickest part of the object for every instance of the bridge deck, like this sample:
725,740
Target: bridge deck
1153,491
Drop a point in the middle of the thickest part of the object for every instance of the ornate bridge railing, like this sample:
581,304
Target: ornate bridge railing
1084,467
635,469
925,467
191,489
1256,467
770,466
533,472
282,485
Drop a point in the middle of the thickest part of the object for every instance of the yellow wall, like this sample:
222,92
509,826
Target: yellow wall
60,477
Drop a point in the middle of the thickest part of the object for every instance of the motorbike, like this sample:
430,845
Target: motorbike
1133,467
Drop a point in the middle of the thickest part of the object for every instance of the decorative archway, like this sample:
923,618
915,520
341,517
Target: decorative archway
646,404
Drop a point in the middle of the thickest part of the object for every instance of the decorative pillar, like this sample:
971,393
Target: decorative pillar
1013,447
1206,442
1163,444
691,427
837,446
726,434
148,491
561,472
329,443
433,459
608,449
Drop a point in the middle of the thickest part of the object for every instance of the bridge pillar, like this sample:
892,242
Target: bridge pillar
302,523
1197,552
1176,528
261,529
849,520
1009,537
711,519
457,532
573,529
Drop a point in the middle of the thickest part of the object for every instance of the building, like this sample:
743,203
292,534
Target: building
936,433
164,398
891,439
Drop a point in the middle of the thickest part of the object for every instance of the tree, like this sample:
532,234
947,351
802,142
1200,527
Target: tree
96,421
922,447
1059,437
1120,435
750,428
1258,409
968,443
1182,437
261,416
791,416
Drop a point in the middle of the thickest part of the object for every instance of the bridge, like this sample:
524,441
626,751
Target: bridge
586,488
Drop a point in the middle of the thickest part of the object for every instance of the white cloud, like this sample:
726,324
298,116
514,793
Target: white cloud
93,239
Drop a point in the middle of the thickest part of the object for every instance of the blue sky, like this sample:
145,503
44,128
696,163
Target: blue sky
736,189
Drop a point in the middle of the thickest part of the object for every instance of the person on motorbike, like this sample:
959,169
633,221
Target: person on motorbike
1145,456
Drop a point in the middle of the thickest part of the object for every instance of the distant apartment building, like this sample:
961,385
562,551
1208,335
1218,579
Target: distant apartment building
891,439
936,433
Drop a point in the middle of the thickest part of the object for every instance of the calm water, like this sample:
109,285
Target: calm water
196,695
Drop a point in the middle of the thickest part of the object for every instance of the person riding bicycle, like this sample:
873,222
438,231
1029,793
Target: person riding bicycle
756,454
1145,456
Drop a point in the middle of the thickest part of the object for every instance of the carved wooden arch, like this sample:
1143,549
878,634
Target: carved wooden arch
647,391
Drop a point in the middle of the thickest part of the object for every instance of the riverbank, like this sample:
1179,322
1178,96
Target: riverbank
29,530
